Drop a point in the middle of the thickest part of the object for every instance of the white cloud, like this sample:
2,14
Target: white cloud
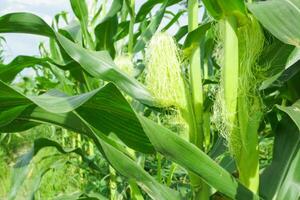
47,18
13,8
22,8
53,3
46,9
22,44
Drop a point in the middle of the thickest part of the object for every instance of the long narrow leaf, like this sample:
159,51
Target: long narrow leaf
163,140
281,18
98,64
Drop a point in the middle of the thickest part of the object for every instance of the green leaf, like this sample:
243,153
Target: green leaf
72,31
79,121
151,29
113,154
129,168
80,196
9,71
116,6
221,9
182,31
165,141
284,62
21,168
233,7
281,18
195,160
105,33
123,29
9,114
149,5
174,19
106,30
193,39
213,8
293,111
11,104
19,126
80,10
25,23
98,64
283,172
101,108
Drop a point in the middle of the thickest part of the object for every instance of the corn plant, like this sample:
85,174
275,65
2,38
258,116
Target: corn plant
203,101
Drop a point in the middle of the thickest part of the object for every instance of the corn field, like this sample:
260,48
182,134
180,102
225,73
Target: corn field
167,100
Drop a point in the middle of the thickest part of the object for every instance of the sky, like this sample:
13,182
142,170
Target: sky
26,44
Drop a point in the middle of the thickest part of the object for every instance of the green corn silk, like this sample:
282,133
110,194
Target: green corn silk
125,64
163,77
251,41
241,133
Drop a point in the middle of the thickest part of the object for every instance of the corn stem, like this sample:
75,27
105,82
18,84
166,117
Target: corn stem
196,75
237,112
200,189
248,160
135,192
113,184
131,27
171,173
159,169
230,71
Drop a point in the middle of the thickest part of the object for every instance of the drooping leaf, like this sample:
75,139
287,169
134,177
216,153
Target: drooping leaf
221,9
74,121
105,33
106,30
41,143
195,160
9,71
21,168
127,167
72,31
80,196
174,19
281,18
114,9
101,108
293,111
194,38
98,64
149,5
123,29
163,140
80,10
25,23
182,31
151,29
281,61
283,172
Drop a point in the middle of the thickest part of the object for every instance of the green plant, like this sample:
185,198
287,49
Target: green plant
123,80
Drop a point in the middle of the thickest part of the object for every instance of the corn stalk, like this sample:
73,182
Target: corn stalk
196,134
